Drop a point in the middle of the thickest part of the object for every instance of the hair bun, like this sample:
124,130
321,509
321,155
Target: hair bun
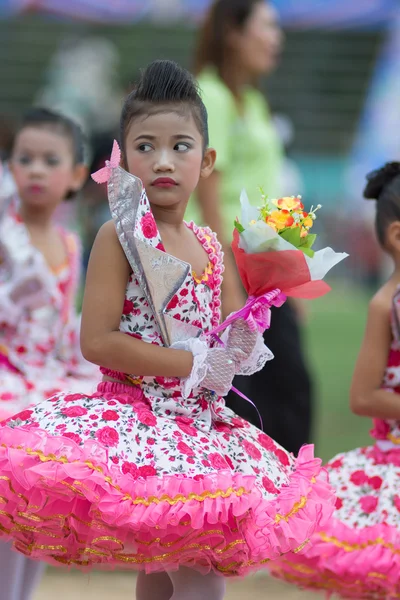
379,179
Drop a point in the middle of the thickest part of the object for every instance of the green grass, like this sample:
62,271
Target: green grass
334,333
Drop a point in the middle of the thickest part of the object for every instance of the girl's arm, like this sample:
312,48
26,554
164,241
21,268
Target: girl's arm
101,341
208,193
366,397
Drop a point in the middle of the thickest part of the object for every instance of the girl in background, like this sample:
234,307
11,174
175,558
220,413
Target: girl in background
39,277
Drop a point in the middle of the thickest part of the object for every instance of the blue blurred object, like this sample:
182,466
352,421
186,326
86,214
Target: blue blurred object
299,14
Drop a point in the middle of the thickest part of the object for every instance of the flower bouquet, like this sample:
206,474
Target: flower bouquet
273,250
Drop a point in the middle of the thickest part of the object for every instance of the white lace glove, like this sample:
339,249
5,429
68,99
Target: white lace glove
247,348
213,368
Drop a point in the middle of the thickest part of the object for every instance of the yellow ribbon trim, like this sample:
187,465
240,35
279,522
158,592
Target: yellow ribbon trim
347,547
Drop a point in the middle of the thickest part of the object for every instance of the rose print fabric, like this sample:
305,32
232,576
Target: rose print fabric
39,345
358,554
134,476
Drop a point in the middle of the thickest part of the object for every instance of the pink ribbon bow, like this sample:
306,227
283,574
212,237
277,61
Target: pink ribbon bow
256,312
104,174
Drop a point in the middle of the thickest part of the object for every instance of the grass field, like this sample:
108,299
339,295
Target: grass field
333,336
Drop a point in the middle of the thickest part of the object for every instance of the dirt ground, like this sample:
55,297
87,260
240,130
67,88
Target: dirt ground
60,585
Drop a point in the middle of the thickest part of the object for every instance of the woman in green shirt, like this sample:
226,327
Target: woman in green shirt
241,41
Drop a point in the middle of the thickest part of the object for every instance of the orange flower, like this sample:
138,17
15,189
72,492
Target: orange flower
308,222
280,219
289,203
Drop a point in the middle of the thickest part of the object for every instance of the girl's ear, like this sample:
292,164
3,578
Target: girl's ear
80,175
208,163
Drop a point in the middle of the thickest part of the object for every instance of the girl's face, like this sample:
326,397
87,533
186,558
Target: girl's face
258,44
43,167
165,150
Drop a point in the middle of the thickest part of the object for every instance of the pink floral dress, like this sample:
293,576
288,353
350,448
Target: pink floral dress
39,337
358,554
134,476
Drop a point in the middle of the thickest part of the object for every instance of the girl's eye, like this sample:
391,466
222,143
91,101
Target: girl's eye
24,160
53,161
182,147
144,148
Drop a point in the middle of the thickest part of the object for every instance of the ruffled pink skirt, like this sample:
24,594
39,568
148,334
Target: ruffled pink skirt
117,480
357,553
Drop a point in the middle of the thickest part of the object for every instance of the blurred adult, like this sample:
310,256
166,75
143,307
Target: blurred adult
240,42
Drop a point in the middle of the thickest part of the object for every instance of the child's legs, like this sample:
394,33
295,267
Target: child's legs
191,585
33,572
156,586
11,572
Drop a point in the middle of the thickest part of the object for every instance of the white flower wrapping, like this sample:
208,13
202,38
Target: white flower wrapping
259,237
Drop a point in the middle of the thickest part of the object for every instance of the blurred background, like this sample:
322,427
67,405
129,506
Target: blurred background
335,99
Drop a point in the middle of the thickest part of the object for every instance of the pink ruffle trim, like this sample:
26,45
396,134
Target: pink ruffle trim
351,562
62,504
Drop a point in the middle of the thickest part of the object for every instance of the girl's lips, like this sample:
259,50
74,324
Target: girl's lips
164,182
36,189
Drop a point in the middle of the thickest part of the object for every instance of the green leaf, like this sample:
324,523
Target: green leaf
308,240
292,236
307,251
239,227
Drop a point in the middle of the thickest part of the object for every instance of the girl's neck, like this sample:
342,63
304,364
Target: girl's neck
37,218
168,219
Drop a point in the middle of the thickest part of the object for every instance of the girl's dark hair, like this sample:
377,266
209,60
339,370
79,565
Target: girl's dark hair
161,84
223,16
384,187
49,119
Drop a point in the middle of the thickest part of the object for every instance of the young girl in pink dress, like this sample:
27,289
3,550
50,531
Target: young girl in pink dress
39,274
153,472
357,554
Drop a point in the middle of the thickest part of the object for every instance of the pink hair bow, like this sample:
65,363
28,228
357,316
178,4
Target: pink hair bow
104,174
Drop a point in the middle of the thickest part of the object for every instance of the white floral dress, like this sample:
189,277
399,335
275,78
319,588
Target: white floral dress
357,555
39,344
136,476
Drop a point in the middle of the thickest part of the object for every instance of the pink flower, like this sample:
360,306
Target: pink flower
396,502
251,450
128,307
167,382
131,468
380,430
185,449
186,425
229,461
173,303
74,411
375,482
368,504
23,415
184,292
73,436
359,478
217,461
73,397
336,464
110,415
7,396
338,503
266,442
147,418
149,226
237,422
282,457
147,471
108,436
269,486
151,441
